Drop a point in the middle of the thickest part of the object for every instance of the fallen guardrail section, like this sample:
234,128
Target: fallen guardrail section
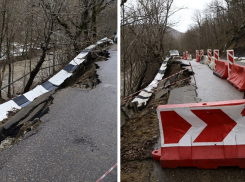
203,135
52,84
176,74
146,93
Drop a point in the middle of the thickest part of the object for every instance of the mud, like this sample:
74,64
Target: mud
89,79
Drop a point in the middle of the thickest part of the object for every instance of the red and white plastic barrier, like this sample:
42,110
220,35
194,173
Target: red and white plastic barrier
237,77
184,56
236,73
221,69
216,56
203,135
104,175
209,55
230,59
187,54
198,59
201,52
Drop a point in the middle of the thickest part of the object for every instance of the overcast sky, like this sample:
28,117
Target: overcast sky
185,16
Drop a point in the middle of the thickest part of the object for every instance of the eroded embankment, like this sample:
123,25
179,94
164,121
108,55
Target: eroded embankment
24,123
140,132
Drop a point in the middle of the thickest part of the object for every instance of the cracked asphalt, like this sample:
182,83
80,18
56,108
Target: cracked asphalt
77,140
211,88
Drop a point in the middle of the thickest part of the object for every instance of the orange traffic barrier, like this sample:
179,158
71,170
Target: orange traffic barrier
237,77
198,58
221,69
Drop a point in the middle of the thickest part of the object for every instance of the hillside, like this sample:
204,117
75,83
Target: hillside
237,41
175,33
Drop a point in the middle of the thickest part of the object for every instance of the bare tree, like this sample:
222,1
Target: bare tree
47,33
144,34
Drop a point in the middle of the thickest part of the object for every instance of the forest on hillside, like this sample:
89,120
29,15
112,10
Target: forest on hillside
47,31
221,25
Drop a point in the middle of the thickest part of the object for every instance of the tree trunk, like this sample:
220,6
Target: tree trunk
44,47
36,70
94,21
9,65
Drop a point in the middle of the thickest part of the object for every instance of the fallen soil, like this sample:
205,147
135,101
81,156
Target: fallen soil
138,136
141,132
89,79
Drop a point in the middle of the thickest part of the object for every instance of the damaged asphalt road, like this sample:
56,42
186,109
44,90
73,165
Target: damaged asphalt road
209,88
77,139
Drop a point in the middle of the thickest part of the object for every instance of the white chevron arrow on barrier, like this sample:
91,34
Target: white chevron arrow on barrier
235,137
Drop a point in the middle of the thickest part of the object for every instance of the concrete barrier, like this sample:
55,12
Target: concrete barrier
82,55
89,48
145,94
48,86
30,95
77,61
6,107
59,78
212,64
204,60
39,90
203,135
237,77
21,101
221,69
189,57
70,68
